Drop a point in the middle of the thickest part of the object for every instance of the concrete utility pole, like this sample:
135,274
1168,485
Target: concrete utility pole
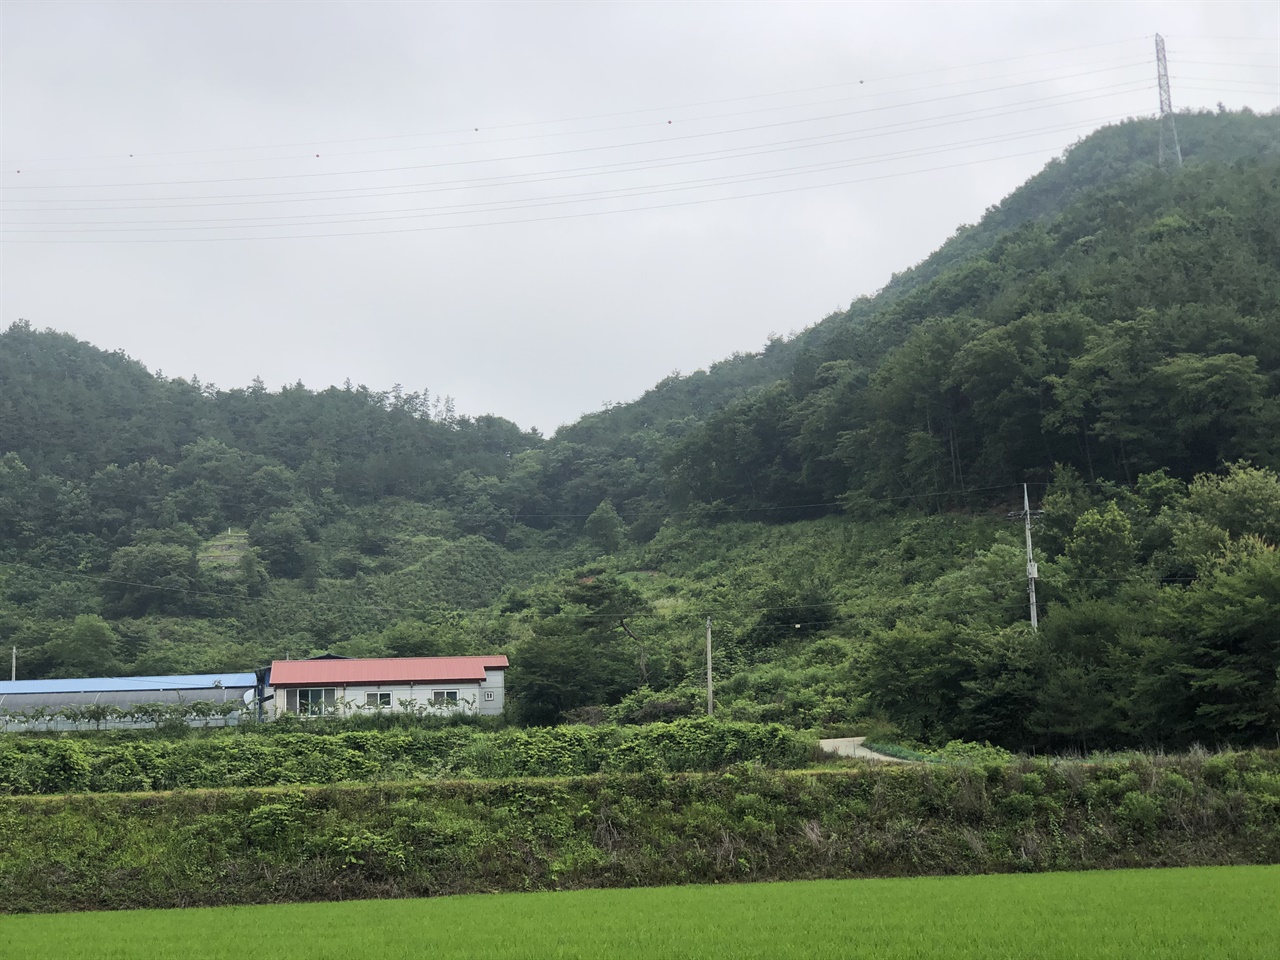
1032,570
13,666
710,700
1168,128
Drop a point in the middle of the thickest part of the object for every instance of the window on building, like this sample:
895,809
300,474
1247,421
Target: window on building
444,698
488,694
377,699
315,701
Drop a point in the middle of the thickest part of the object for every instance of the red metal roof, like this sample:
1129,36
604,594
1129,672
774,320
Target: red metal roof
285,673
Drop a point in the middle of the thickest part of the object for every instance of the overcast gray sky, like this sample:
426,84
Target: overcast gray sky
537,208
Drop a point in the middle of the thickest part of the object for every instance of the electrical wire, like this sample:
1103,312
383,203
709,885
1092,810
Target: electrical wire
1269,84
631,166
21,226
559,153
1235,64
568,216
1221,88
1128,64
348,218
661,109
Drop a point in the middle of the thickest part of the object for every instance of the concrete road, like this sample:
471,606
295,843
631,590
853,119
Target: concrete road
852,747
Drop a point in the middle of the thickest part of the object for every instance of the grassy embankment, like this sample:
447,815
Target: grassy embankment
385,840
1201,913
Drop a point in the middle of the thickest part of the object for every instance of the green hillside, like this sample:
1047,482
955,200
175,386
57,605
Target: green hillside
1111,156
836,504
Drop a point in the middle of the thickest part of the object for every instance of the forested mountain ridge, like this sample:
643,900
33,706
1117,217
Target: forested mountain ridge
1111,334
1135,330
1074,250
1105,158
71,409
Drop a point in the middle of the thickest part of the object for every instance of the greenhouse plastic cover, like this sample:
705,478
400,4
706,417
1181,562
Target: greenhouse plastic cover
199,681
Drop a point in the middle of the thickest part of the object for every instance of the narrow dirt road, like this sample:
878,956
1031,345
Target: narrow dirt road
852,747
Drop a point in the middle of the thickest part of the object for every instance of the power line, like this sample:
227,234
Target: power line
570,216
628,166
1224,88
1234,64
560,153
1253,39
1128,64
1268,84
553,200
660,109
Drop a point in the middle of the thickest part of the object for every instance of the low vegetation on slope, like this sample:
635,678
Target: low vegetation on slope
189,848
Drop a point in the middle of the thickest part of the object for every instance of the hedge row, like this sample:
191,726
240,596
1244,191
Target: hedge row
90,764
611,830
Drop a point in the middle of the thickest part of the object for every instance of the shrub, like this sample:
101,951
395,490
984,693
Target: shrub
294,755
1139,813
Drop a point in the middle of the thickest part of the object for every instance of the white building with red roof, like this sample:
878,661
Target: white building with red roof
424,685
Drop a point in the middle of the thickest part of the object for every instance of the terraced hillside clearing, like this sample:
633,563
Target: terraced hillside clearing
1131,914
223,553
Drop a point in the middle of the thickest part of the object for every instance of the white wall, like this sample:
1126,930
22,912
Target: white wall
495,683
417,696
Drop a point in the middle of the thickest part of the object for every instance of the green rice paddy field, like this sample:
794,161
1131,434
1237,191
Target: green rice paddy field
1209,912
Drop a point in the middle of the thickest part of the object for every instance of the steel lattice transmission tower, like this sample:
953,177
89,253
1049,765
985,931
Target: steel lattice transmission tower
1168,129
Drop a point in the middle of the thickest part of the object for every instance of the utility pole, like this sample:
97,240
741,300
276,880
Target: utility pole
1168,128
13,666
710,700
1032,570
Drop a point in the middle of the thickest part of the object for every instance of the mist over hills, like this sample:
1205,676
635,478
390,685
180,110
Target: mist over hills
1109,333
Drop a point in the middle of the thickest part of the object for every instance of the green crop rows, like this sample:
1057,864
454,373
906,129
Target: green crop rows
1202,913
